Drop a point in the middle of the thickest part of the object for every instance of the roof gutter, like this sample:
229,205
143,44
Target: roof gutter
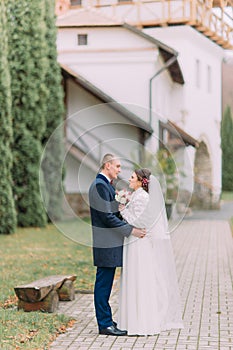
167,64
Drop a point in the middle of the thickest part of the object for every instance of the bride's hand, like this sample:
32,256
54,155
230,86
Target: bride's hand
139,232
121,207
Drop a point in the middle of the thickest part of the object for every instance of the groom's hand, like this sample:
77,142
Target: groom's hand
139,232
121,207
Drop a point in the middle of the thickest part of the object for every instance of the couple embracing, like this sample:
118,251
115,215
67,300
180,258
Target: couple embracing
135,237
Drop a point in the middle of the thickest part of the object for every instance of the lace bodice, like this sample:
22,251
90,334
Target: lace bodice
135,210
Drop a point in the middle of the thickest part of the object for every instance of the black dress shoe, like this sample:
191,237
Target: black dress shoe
114,324
111,330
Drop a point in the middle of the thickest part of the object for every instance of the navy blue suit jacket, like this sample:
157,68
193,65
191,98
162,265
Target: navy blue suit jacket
107,228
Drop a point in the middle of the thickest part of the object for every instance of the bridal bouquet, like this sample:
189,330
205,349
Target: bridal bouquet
123,196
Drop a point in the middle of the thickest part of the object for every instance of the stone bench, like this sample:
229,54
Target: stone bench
45,293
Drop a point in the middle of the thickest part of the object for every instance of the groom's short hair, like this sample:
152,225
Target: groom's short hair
106,159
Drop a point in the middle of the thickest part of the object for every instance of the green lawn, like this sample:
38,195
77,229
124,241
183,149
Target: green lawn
31,254
227,196
231,223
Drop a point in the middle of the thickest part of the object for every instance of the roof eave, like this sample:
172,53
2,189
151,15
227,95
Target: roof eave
187,139
107,99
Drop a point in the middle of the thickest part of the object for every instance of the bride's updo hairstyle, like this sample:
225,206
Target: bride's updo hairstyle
143,175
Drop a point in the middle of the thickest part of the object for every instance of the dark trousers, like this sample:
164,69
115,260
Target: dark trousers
102,291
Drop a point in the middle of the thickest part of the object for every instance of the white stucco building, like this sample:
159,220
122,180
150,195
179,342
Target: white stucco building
159,81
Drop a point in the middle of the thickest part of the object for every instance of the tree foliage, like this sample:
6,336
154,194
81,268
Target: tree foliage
53,158
227,150
30,92
7,209
28,67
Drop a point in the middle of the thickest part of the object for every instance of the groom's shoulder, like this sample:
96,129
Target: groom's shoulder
98,181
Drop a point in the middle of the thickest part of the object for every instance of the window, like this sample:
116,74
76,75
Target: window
76,2
82,39
209,79
198,74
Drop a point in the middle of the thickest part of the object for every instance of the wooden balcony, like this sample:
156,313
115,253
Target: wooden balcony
199,14
222,3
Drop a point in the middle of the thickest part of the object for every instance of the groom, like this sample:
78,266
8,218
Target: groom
108,236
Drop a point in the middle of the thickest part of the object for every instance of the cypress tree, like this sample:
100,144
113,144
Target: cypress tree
53,157
227,150
7,209
28,67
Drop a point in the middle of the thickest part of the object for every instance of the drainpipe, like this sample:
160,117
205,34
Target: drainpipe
166,65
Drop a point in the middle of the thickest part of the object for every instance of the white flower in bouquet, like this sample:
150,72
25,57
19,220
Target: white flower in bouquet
123,196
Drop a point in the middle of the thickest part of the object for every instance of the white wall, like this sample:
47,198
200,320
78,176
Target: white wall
195,109
100,38
106,130
120,63
78,177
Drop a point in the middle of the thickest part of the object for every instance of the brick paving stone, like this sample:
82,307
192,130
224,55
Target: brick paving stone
204,260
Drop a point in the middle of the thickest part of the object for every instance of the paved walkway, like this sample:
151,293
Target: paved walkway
224,213
204,260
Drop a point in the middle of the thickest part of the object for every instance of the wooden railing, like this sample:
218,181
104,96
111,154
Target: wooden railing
211,25
197,13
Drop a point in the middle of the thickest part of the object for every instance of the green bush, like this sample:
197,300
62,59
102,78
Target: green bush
227,150
7,209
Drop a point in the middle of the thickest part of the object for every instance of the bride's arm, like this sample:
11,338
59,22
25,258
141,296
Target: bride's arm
133,212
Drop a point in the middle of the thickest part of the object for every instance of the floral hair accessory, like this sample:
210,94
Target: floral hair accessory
145,181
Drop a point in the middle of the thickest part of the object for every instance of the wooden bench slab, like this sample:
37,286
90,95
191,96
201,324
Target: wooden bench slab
48,304
45,293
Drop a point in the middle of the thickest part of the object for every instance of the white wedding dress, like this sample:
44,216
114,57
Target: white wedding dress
149,300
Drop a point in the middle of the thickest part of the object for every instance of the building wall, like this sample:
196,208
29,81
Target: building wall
96,129
121,65
197,106
227,90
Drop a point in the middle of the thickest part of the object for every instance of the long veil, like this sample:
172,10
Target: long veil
156,211
163,253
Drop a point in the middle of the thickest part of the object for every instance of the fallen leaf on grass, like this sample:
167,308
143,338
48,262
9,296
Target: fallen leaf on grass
11,301
71,323
28,337
63,328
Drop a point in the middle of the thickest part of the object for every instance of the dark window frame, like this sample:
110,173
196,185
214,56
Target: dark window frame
76,2
82,39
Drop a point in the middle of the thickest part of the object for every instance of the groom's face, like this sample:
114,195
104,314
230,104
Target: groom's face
114,168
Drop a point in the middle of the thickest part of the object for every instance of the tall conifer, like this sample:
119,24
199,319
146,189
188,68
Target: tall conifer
227,150
52,162
28,68
7,209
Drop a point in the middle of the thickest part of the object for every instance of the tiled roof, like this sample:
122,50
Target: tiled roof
85,17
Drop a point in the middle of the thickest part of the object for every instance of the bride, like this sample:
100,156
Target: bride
149,296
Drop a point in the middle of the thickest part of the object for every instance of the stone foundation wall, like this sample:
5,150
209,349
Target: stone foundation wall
79,203
206,202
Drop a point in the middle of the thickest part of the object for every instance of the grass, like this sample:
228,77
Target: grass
227,196
31,254
231,223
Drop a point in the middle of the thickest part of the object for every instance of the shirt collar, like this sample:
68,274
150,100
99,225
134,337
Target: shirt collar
106,177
